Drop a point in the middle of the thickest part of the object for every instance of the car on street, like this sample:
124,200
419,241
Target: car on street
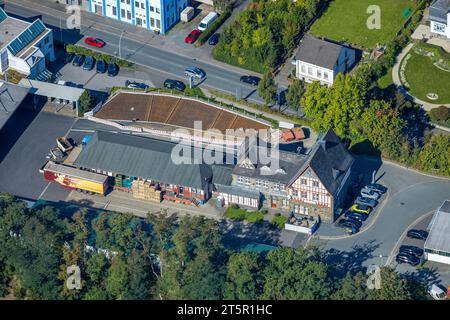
356,215
407,258
367,193
194,72
366,202
377,188
250,80
101,66
136,85
361,208
193,36
214,39
89,63
349,223
113,69
174,84
417,234
94,42
68,57
412,250
78,60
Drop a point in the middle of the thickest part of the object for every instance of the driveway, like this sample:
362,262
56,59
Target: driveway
410,196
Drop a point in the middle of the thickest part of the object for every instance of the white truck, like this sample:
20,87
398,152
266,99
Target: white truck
207,21
437,292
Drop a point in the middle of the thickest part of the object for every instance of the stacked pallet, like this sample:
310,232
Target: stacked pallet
146,191
119,181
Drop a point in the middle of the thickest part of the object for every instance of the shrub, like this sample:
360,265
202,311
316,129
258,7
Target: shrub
212,28
440,115
279,220
98,55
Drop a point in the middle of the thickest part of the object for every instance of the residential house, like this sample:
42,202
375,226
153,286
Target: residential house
320,60
156,15
25,47
440,18
313,184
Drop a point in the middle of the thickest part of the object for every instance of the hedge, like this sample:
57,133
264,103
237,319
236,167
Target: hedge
204,36
98,55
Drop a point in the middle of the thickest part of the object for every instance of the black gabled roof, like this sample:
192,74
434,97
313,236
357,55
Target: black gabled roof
439,10
329,160
318,52
146,158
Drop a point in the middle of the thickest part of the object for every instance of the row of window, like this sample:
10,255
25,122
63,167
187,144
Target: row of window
261,184
319,74
439,27
441,253
315,184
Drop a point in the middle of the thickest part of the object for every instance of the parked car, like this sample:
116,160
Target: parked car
214,39
194,72
208,20
412,250
89,63
367,193
361,208
250,80
437,292
78,60
356,215
94,42
346,223
407,258
417,234
113,69
101,66
366,202
193,36
174,84
376,187
136,85
69,57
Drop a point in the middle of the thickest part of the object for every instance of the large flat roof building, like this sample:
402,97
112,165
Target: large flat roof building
11,97
437,245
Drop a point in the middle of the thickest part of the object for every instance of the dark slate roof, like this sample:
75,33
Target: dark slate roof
318,52
439,235
439,10
289,163
146,158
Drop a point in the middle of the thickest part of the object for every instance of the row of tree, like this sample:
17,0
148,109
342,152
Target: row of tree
265,32
163,257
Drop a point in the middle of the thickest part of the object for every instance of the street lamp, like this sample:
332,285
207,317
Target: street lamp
120,44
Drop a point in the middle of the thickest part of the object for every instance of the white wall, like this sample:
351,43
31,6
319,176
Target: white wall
438,258
436,26
318,73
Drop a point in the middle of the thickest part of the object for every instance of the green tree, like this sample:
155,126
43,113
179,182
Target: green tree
243,277
351,288
393,287
87,103
435,155
295,93
267,88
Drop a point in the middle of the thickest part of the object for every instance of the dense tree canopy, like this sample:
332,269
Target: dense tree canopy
162,257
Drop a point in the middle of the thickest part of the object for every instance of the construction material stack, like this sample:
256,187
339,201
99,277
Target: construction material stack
144,190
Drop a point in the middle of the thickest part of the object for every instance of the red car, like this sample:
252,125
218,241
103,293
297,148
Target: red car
94,42
193,36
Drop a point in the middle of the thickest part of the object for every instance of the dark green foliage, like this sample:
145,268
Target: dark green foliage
205,35
87,103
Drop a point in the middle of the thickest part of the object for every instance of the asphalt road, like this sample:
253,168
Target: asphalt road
170,63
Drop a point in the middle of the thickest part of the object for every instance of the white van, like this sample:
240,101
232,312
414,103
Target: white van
207,21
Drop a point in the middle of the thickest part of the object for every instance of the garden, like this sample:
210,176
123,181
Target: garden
346,21
425,71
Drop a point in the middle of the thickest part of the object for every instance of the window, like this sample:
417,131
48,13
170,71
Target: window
142,5
276,187
152,22
158,11
303,182
139,21
319,74
136,4
303,68
240,180
128,1
247,181
128,15
438,27
122,13
258,183
266,184
315,196
152,9
304,195
325,75
114,11
315,184
310,71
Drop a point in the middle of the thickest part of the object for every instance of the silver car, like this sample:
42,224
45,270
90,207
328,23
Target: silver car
371,194
194,72
366,202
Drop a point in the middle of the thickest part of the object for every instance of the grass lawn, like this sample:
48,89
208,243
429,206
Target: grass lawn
236,213
423,78
386,80
346,20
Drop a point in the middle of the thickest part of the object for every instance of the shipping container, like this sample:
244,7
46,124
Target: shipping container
76,179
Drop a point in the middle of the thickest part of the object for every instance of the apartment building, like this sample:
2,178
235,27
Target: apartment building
155,15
